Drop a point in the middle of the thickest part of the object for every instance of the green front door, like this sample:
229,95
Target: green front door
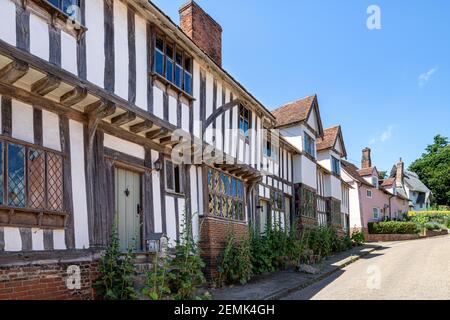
128,203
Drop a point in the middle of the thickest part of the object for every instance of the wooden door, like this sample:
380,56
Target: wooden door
128,204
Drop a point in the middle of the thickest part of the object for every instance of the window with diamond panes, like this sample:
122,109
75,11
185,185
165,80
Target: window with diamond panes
30,177
225,196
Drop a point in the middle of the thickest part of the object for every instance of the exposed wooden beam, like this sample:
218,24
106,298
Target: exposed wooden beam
158,133
140,127
13,71
45,85
74,96
124,118
168,141
100,109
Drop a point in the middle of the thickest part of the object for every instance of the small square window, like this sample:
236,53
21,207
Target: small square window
369,193
376,213
174,181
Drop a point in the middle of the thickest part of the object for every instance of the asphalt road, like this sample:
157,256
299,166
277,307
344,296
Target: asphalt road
410,270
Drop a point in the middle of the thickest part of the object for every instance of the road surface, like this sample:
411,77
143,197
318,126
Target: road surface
409,270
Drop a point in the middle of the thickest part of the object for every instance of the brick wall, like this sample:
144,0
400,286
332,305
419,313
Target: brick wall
202,29
45,282
213,234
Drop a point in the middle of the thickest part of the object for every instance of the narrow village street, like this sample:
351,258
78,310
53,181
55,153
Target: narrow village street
407,270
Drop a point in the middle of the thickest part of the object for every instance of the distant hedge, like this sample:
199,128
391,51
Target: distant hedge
392,227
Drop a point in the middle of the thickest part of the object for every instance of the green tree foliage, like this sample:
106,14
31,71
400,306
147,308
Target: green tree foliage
382,175
433,169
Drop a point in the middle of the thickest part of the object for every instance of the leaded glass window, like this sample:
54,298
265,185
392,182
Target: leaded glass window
225,196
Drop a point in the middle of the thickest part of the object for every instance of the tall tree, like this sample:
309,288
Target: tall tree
433,169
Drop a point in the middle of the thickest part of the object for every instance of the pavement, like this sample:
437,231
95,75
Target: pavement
408,270
280,284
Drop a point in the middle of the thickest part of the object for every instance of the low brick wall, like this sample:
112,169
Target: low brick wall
390,237
213,234
431,233
46,280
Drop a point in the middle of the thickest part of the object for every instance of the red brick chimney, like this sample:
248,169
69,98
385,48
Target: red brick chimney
400,172
202,29
366,161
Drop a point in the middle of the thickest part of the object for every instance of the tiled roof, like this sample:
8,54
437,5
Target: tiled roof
366,171
294,112
329,138
352,170
388,182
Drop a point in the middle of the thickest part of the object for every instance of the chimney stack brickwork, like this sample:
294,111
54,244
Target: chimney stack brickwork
400,172
202,29
366,161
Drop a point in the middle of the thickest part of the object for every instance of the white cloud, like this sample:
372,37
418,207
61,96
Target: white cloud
384,136
425,77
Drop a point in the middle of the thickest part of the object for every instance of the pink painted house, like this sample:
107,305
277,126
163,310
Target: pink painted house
369,199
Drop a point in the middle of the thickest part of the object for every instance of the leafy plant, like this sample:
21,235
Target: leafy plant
432,226
156,286
358,238
234,264
392,227
116,272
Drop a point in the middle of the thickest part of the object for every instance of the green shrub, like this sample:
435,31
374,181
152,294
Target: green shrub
116,272
234,264
432,226
358,238
392,227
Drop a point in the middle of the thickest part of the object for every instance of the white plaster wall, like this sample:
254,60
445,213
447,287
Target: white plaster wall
201,210
172,110
22,121
219,132
355,209
156,195
37,239
297,168
39,37
13,241
324,159
308,172
158,102
80,214
141,62
50,130
336,188
235,132
124,146
69,53
181,213
171,221
185,117
196,103
194,203
59,241
294,135
209,94
95,50
227,143
121,49
312,121
8,22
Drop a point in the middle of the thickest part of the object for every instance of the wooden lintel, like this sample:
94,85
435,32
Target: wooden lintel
74,96
13,72
124,118
45,85
158,133
168,141
140,127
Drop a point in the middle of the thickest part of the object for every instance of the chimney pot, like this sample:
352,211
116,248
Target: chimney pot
202,29
366,161
400,172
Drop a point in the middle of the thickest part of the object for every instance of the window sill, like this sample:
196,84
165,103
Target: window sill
29,218
59,18
175,194
157,76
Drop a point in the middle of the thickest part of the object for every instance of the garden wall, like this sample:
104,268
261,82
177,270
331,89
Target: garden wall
390,237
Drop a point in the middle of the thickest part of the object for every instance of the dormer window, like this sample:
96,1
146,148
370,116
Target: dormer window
310,146
173,64
375,182
336,165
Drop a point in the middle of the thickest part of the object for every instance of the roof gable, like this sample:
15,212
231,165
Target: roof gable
332,139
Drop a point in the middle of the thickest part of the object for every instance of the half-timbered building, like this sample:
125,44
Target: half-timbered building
97,98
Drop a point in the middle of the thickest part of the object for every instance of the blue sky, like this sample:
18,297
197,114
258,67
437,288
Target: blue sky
388,88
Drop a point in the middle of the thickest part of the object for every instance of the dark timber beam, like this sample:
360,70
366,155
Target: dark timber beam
13,72
45,85
100,109
74,96
218,112
140,127
168,141
124,118
158,133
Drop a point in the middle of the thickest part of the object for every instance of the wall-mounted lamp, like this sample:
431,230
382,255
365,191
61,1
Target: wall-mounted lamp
157,165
